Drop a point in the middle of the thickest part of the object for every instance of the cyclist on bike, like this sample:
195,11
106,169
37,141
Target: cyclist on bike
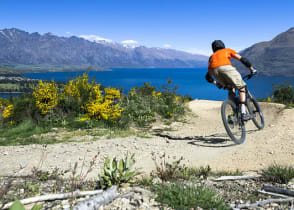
221,69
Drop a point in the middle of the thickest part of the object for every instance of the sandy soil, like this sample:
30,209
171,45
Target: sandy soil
202,141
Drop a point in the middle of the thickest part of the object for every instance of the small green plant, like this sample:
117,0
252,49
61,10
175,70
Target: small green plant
42,175
32,188
190,173
78,179
165,170
17,205
145,181
180,196
278,174
118,172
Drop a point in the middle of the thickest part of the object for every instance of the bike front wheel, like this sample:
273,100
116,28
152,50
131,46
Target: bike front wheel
255,111
232,121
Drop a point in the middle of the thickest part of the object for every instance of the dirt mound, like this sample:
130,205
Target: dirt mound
201,141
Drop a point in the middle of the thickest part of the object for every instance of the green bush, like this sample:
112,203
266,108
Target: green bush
278,174
25,109
284,93
82,104
138,110
145,104
180,196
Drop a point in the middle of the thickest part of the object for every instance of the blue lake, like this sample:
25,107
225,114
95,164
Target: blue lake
189,81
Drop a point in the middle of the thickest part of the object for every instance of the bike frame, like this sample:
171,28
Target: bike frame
236,95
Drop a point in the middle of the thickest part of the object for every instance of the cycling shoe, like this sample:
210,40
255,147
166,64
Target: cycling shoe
245,116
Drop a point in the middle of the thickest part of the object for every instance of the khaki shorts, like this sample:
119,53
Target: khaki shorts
228,75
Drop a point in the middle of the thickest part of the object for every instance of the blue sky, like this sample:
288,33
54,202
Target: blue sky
189,25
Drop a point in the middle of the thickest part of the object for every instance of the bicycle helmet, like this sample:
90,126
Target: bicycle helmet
217,45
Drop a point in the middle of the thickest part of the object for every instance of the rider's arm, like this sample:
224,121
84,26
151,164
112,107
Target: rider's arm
244,60
209,78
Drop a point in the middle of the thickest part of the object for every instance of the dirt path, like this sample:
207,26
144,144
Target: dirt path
201,141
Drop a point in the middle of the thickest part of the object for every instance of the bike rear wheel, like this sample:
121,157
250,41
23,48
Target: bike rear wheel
255,111
232,121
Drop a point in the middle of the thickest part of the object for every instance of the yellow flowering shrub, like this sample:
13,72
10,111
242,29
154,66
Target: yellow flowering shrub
8,111
178,98
96,94
156,94
102,107
133,91
75,87
45,96
111,93
269,99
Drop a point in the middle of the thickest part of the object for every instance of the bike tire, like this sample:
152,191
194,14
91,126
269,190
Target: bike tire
255,111
230,124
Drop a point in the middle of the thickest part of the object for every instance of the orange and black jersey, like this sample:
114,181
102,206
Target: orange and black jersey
221,57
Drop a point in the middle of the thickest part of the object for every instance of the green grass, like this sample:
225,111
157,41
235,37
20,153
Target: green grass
180,196
278,174
203,172
226,173
193,173
289,106
9,86
20,134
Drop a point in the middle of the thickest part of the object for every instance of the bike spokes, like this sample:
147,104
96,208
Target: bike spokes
232,122
255,111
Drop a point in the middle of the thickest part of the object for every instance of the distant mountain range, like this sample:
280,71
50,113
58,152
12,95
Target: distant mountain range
20,47
33,50
272,58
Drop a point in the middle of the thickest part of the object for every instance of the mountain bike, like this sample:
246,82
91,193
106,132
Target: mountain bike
231,114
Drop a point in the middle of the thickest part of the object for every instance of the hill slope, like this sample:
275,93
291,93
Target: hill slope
272,58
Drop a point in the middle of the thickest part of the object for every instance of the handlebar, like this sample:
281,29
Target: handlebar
249,76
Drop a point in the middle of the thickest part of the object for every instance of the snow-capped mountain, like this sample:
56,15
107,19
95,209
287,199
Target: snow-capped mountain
20,47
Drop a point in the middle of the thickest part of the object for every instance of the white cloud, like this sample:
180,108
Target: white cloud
95,38
167,46
130,43
207,52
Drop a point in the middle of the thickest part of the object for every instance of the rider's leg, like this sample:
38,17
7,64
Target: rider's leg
242,99
242,95
231,95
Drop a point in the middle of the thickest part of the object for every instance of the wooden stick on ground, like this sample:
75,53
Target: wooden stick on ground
263,202
273,194
51,197
227,178
273,189
99,200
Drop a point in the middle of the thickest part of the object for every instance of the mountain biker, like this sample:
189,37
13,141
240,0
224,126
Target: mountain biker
221,69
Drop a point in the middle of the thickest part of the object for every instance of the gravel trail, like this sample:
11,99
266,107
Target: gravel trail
201,141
